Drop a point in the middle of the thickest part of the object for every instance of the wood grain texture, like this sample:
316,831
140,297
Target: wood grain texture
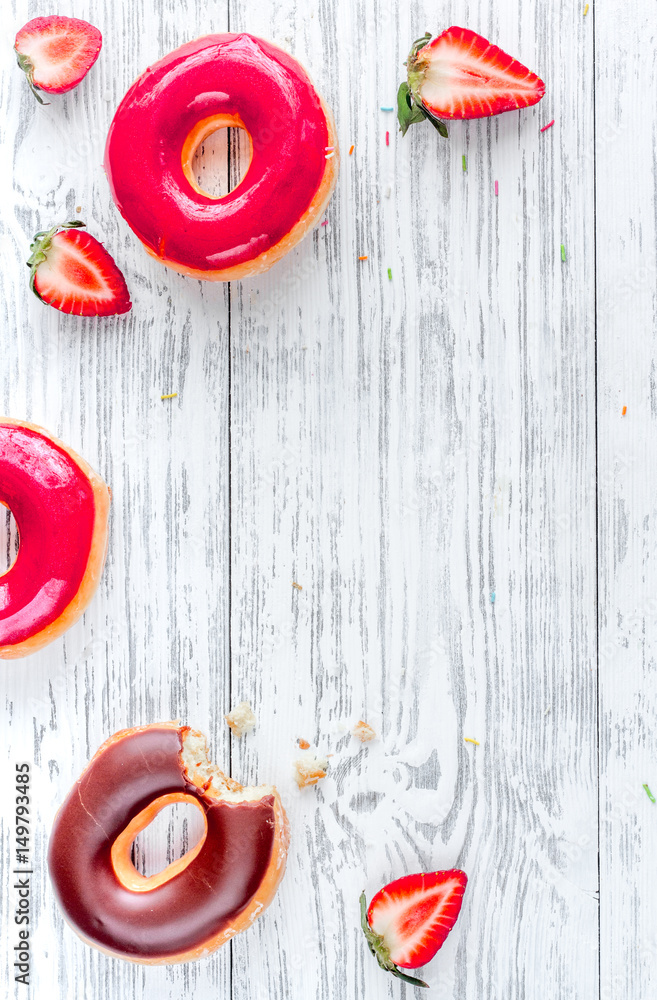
407,448
402,450
154,643
626,240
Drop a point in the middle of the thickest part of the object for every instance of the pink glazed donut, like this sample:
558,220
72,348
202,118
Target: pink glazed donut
61,508
217,82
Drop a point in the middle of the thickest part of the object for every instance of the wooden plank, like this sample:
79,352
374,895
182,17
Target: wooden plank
403,450
154,643
627,311
400,449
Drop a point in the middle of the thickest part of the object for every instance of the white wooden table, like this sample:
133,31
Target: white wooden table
403,450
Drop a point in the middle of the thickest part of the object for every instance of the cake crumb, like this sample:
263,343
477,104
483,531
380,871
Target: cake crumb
309,768
303,744
241,720
363,732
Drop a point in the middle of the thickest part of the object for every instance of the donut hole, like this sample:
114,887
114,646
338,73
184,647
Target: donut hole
174,832
220,161
9,540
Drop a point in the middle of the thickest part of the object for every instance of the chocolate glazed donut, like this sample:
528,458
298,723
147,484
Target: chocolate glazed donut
198,902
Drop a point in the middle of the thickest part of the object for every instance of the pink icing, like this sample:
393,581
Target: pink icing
219,74
52,501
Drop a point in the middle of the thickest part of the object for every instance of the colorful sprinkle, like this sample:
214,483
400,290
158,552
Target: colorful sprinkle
468,740
171,395
563,253
329,155
549,125
497,188
387,109
389,274
297,586
586,10
624,411
351,149
363,258
492,598
464,163
325,222
327,148
649,794
387,138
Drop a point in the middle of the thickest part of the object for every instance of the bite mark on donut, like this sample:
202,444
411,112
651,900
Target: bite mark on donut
93,895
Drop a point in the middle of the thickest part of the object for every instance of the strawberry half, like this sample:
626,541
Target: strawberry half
56,52
73,272
461,75
408,920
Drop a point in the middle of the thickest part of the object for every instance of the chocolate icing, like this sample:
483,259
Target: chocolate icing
193,906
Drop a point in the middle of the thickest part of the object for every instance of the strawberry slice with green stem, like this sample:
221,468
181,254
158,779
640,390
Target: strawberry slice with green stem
408,920
461,75
56,52
72,271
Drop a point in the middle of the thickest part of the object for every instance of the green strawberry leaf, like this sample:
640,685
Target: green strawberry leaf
408,113
378,948
41,244
416,110
396,971
404,109
27,67
419,44
438,125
